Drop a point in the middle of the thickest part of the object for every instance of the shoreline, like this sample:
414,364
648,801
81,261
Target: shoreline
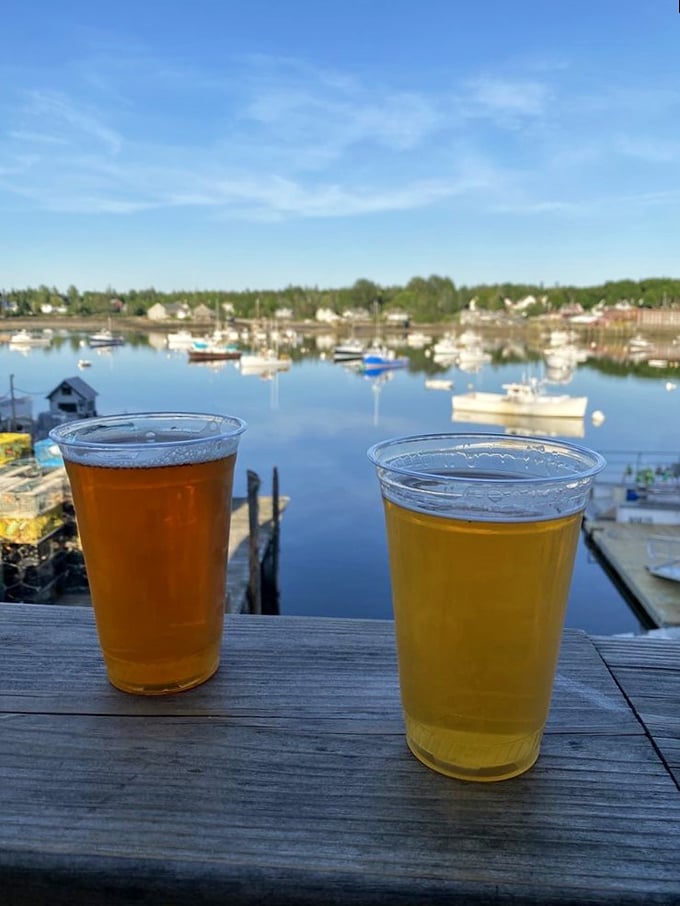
139,324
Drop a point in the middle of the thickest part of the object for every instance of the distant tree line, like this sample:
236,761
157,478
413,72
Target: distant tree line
425,300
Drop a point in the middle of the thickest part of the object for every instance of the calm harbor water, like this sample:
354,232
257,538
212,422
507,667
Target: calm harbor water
315,422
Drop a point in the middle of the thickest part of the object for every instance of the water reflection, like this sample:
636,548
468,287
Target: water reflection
533,426
377,382
318,431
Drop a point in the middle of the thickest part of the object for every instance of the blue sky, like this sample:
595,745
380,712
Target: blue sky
261,143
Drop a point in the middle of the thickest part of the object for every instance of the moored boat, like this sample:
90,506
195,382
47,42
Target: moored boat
264,362
438,384
208,351
638,342
527,398
105,337
349,350
180,339
373,363
23,339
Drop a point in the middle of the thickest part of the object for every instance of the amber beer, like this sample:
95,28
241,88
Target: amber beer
152,496
481,560
477,585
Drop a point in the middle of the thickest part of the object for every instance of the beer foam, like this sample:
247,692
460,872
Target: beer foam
143,440
486,477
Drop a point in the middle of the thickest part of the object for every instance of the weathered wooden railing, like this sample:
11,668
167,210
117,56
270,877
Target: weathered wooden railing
286,778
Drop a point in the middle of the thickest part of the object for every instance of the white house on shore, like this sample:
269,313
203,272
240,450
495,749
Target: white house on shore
171,311
326,316
398,318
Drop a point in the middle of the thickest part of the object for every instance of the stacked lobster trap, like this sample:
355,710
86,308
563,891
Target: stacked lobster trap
41,556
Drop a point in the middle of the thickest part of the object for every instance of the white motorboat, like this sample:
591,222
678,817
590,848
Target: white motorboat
105,337
23,339
438,384
638,342
181,339
527,398
348,351
264,362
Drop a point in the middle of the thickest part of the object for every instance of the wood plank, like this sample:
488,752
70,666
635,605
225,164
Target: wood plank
648,672
147,791
286,779
348,666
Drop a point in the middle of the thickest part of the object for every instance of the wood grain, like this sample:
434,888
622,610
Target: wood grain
286,779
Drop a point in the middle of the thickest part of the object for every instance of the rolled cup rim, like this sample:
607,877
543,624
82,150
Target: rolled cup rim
67,434
454,440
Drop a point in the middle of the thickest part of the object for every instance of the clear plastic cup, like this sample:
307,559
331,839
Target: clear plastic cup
152,494
482,532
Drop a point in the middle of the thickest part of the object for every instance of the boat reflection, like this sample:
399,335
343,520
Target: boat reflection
211,364
531,425
377,382
377,378
559,375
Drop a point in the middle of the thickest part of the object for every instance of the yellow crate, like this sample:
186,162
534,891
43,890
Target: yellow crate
17,530
14,446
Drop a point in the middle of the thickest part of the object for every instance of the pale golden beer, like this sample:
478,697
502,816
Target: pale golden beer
481,560
152,495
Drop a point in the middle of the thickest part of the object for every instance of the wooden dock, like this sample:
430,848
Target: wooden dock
239,563
623,548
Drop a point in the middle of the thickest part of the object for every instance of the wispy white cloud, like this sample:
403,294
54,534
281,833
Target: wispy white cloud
16,165
651,150
595,204
398,121
506,100
273,198
275,138
39,138
280,129
531,207
284,197
66,121
649,101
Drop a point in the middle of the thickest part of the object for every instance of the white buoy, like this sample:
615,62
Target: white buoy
597,418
